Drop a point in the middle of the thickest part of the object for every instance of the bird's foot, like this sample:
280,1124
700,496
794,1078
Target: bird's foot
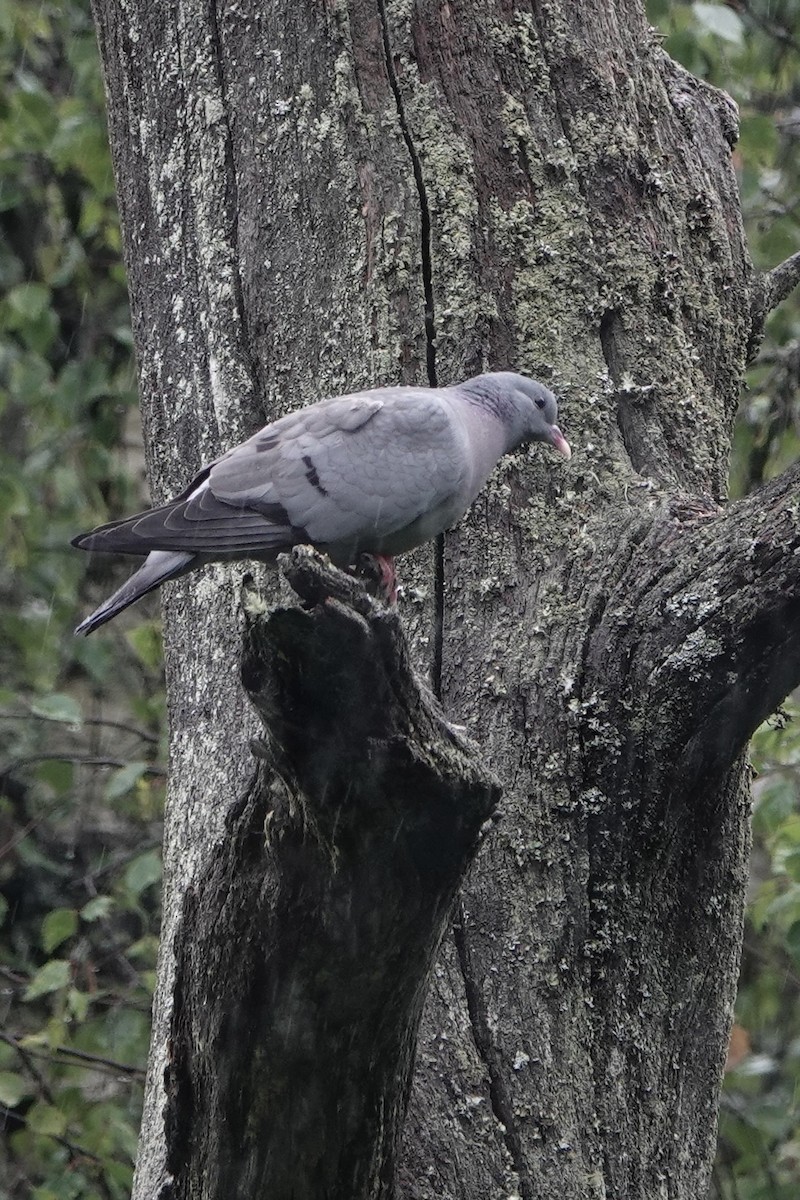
380,572
388,579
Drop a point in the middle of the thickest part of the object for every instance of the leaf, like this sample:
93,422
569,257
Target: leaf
81,145
58,774
120,1173
12,1088
791,865
78,1004
58,707
719,20
126,1034
124,780
97,909
54,975
32,120
785,908
55,1032
27,302
143,871
761,903
145,948
793,941
46,1118
14,500
758,139
145,641
57,926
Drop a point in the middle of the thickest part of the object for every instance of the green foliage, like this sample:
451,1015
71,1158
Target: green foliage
760,1117
751,49
80,722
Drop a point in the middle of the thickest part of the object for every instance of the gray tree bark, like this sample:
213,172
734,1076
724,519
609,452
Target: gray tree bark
320,196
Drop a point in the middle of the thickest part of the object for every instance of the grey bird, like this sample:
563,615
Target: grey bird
375,472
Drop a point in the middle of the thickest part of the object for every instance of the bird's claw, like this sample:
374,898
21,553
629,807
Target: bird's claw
379,575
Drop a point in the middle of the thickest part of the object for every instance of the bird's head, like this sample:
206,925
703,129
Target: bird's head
525,408
541,411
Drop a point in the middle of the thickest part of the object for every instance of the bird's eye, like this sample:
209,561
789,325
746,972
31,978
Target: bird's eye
540,402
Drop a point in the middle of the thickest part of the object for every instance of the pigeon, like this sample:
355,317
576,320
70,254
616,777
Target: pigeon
376,472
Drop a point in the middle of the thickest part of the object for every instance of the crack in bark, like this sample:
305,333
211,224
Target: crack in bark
640,430
430,330
502,1106
500,1101
425,215
538,19
608,322
233,185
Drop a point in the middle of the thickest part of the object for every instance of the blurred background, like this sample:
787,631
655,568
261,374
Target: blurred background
82,738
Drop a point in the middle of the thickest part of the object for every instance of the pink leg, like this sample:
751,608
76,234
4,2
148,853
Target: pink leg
388,578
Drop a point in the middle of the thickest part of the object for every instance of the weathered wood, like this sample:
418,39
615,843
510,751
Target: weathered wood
304,951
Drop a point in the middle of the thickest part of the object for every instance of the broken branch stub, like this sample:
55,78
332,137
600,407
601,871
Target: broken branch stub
320,917
361,744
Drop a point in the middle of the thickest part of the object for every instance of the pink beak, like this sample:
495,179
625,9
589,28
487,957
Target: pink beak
559,442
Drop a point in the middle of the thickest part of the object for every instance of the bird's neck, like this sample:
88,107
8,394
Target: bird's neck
497,410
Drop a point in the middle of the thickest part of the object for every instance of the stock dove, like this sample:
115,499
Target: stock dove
376,472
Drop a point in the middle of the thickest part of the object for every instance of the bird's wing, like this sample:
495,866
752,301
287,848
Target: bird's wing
343,470
351,468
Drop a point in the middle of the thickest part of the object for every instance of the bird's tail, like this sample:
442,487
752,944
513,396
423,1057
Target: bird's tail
159,566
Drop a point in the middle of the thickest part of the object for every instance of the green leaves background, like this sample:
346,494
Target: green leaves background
80,722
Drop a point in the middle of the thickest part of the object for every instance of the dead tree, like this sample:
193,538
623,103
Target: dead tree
320,195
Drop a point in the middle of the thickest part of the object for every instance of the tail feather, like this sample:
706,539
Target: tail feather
159,566
198,524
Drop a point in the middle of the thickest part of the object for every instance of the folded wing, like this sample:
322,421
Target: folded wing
348,471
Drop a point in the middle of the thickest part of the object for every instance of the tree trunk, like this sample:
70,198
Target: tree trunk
320,196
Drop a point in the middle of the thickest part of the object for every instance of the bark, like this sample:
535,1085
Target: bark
322,912
320,196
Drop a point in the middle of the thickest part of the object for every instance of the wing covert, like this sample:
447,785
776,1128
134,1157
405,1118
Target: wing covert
350,469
